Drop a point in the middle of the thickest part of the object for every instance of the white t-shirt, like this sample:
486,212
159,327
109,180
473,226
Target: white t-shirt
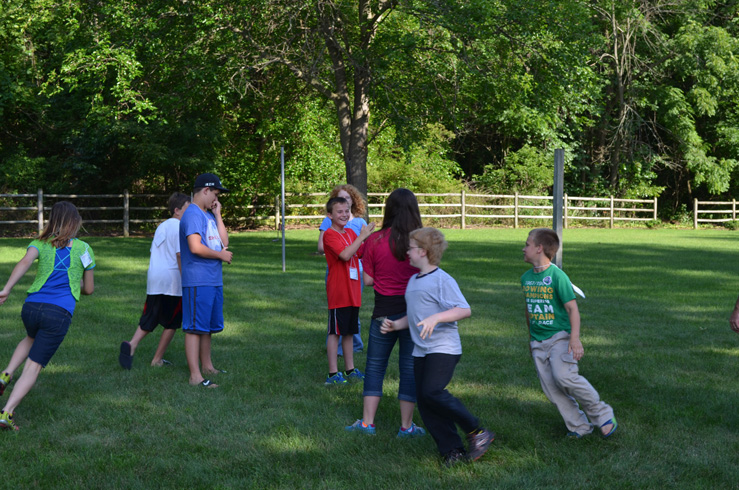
164,275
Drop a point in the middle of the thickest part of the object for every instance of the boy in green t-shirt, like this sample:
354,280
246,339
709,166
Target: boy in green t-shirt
553,320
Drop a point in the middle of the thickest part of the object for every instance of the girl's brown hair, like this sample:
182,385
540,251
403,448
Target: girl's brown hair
64,223
358,200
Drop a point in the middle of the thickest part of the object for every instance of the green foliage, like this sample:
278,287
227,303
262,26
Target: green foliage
732,225
526,171
422,167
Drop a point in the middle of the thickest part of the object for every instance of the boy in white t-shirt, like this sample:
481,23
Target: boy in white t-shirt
163,287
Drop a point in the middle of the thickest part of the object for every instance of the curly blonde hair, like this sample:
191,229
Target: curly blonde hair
359,206
432,241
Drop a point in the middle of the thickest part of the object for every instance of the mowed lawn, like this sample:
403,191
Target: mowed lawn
657,347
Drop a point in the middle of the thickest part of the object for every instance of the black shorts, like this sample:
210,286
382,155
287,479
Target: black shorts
163,310
343,321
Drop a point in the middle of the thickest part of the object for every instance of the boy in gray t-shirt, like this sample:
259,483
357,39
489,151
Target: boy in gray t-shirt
435,303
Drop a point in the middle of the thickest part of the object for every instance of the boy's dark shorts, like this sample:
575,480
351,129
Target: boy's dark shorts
47,325
343,321
163,310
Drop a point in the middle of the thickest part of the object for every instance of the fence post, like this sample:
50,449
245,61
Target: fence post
463,209
733,209
515,210
611,211
125,212
565,213
40,213
654,217
695,214
277,212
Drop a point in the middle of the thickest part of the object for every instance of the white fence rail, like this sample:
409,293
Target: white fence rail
445,210
717,211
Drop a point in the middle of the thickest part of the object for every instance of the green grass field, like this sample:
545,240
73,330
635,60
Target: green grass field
657,347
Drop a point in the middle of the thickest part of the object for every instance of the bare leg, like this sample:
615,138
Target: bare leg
332,346
137,337
205,360
347,343
370,409
23,385
192,353
406,413
164,341
19,355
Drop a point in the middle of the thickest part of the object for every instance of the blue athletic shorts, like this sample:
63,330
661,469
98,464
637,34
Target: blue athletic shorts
47,325
202,309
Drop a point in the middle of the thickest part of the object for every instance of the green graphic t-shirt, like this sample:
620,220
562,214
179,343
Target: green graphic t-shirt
546,293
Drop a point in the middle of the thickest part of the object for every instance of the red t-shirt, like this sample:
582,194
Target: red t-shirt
341,290
390,274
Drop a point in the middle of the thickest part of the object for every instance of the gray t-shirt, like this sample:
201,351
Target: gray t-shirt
432,293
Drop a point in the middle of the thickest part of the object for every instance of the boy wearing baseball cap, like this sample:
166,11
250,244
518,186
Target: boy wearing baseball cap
203,249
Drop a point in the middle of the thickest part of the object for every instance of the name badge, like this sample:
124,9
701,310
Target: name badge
86,260
353,273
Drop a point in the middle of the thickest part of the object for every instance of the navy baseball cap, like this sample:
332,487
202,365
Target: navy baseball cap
209,180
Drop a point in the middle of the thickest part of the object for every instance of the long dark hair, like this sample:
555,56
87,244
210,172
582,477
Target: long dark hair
63,225
401,217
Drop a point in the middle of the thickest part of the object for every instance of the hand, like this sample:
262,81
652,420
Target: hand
428,325
733,321
226,255
387,326
216,207
576,349
366,230
3,296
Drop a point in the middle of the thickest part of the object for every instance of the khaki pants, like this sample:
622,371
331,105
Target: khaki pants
563,385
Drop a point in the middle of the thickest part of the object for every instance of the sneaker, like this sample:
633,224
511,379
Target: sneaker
479,442
574,435
336,379
355,375
4,382
412,431
454,456
6,421
360,426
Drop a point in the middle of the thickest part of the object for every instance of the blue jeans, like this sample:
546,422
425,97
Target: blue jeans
379,348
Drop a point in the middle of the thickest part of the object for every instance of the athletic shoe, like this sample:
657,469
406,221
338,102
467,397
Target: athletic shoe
574,435
479,442
360,426
336,379
412,431
454,456
6,421
4,382
355,375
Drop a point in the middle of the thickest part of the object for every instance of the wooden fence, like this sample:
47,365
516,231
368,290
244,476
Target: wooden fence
718,211
443,210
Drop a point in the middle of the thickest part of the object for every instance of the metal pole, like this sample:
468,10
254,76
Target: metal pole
557,201
40,213
282,179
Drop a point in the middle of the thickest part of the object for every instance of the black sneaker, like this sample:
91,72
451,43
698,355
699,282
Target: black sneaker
454,456
479,442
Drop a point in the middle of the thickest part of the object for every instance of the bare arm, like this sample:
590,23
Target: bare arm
447,316
222,232
394,325
367,279
349,251
196,247
88,282
19,271
734,319
179,262
320,240
575,345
